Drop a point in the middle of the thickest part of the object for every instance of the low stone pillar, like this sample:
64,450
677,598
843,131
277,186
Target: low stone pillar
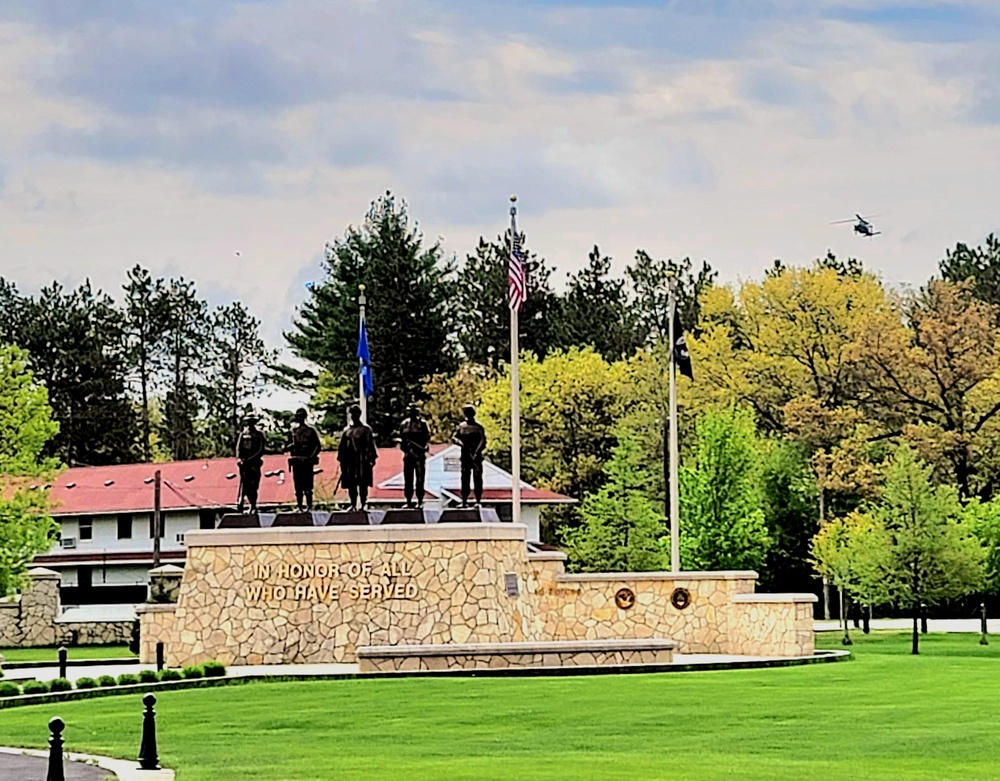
156,625
40,607
165,583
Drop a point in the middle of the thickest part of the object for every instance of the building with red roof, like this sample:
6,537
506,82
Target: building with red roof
106,513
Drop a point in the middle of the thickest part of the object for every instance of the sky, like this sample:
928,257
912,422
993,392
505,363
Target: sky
174,134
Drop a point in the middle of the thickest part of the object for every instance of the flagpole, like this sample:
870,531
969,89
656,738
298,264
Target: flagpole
362,396
675,528
515,392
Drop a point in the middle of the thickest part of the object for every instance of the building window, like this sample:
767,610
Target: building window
125,526
163,522
206,518
86,528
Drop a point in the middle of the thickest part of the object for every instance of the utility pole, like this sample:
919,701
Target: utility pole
157,519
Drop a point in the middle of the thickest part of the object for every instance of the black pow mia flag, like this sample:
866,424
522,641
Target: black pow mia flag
682,358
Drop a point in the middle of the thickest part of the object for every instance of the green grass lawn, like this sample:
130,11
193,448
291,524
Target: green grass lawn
51,654
883,715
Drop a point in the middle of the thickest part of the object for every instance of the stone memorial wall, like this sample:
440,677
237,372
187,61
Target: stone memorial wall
310,595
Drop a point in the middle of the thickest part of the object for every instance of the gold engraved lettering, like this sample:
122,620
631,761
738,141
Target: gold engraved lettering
301,589
353,590
253,592
411,590
295,571
308,571
261,571
279,592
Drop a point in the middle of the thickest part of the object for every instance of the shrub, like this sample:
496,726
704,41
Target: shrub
60,685
214,669
107,680
127,678
170,675
148,676
85,683
193,671
35,687
8,689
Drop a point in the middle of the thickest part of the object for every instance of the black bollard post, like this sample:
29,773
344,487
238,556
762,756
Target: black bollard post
62,661
148,760
159,657
56,773
982,624
923,618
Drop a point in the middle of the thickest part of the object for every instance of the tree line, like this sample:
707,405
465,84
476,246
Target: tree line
159,375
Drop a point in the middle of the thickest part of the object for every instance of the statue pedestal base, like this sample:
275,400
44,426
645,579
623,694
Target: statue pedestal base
403,515
293,519
348,518
239,521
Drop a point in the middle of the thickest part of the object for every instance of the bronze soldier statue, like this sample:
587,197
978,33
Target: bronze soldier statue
249,460
414,437
357,456
303,454
472,438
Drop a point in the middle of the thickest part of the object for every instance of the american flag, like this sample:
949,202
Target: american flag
516,284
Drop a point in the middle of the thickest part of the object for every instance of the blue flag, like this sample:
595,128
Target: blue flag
365,357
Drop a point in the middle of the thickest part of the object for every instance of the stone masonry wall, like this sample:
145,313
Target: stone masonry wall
32,619
302,595
583,607
314,594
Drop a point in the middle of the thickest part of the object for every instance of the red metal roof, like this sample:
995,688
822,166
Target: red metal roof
215,483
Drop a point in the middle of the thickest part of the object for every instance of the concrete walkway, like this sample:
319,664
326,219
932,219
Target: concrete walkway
905,624
21,764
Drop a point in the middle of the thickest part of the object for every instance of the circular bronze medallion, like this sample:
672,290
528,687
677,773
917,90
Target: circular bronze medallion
680,598
625,598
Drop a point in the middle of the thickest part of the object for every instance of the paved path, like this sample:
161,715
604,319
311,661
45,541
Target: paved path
22,767
933,625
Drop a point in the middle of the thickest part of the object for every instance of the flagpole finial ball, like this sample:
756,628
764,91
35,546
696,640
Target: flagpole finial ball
361,288
513,199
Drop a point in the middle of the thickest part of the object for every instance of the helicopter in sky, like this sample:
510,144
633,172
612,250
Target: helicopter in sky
861,226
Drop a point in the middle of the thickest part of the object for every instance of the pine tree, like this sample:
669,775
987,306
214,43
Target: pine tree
481,311
186,348
145,324
596,311
619,529
408,289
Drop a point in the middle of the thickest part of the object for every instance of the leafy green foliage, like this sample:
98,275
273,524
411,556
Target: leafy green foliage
170,675
34,687
193,671
788,489
8,689
26,426
214,669
77,346
722,515
619,529
60,685
980,266
86,683
913,547
127,679
106,681
148,676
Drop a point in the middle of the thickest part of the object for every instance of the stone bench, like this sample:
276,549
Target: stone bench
516,655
